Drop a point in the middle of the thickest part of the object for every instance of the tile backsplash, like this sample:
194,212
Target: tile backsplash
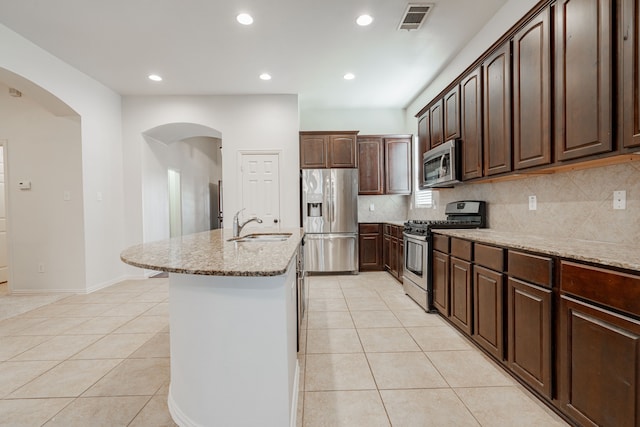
385,208
575,204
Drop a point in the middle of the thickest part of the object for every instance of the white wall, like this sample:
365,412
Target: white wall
43,228
100,113
251,122
369,121
501,22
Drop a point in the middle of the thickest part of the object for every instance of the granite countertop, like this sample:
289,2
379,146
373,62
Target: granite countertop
395,222
605,253
391,221
209,253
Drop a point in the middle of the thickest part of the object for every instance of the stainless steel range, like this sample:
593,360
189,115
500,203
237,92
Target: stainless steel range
417,280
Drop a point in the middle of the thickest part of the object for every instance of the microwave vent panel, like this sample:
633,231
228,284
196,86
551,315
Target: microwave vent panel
414,16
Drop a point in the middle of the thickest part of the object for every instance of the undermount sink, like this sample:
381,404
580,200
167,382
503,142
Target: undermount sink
262,237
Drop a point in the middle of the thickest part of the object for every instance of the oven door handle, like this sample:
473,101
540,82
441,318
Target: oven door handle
413,238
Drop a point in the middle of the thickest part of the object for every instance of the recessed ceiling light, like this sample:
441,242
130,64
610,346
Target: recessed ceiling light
155,77
364,20
265,76
349,76
245,19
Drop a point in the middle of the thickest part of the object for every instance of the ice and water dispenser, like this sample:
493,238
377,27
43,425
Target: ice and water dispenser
314,209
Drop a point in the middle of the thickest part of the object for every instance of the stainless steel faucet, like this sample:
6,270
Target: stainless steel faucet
237,227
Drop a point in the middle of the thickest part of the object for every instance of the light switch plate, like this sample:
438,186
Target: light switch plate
533,203
619,199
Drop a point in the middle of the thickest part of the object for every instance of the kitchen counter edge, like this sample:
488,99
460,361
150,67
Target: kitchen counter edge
210,253
604,253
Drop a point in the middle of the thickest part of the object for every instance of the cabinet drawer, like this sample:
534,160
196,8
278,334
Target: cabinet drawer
461,249
611,288
489,256
531,268
441,243
369,228
387,228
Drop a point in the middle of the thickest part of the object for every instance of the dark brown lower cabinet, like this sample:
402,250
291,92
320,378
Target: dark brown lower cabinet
488,314
393,250
599,365
461,296
370,247
566,330
440,279
529,334
393,256
386,252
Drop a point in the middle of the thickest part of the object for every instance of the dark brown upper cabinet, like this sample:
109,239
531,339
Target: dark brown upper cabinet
532,93
397,165
342,151
424,140
471,124
630,72
370,165
384,164
313,151
583,80
497,111
328,150
437,123
452,114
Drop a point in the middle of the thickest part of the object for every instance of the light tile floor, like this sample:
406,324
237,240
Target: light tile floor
369,357
86,360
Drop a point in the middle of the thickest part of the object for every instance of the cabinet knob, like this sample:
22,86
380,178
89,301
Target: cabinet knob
275,221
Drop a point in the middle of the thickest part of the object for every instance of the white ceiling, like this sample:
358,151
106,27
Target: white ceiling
200,49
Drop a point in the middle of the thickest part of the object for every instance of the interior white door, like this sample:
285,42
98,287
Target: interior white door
261,189
3,220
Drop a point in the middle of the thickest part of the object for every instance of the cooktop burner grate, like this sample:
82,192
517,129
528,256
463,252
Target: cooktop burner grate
462,214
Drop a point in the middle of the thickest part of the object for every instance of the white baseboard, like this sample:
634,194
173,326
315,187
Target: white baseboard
44,291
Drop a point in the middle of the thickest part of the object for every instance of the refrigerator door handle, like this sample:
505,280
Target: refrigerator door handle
333,200
333,213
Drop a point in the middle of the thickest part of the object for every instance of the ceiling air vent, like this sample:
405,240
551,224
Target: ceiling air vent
414,16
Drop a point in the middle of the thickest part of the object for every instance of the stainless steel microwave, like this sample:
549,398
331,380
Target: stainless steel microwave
441,165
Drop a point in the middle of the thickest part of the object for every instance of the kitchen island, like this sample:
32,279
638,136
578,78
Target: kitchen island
232,314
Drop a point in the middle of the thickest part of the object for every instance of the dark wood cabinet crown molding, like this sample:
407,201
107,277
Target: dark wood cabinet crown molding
505,37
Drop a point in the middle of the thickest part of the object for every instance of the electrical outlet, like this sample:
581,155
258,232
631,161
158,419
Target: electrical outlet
372,207
533,203
619,199
66,195
40,268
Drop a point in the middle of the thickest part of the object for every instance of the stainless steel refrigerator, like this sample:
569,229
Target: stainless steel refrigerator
330,219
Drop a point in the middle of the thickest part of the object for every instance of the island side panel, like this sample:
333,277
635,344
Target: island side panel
233,350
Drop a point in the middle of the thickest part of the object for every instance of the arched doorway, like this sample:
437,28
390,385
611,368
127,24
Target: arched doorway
182,180
44,188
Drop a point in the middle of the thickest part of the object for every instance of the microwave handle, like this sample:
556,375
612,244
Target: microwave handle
441,165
